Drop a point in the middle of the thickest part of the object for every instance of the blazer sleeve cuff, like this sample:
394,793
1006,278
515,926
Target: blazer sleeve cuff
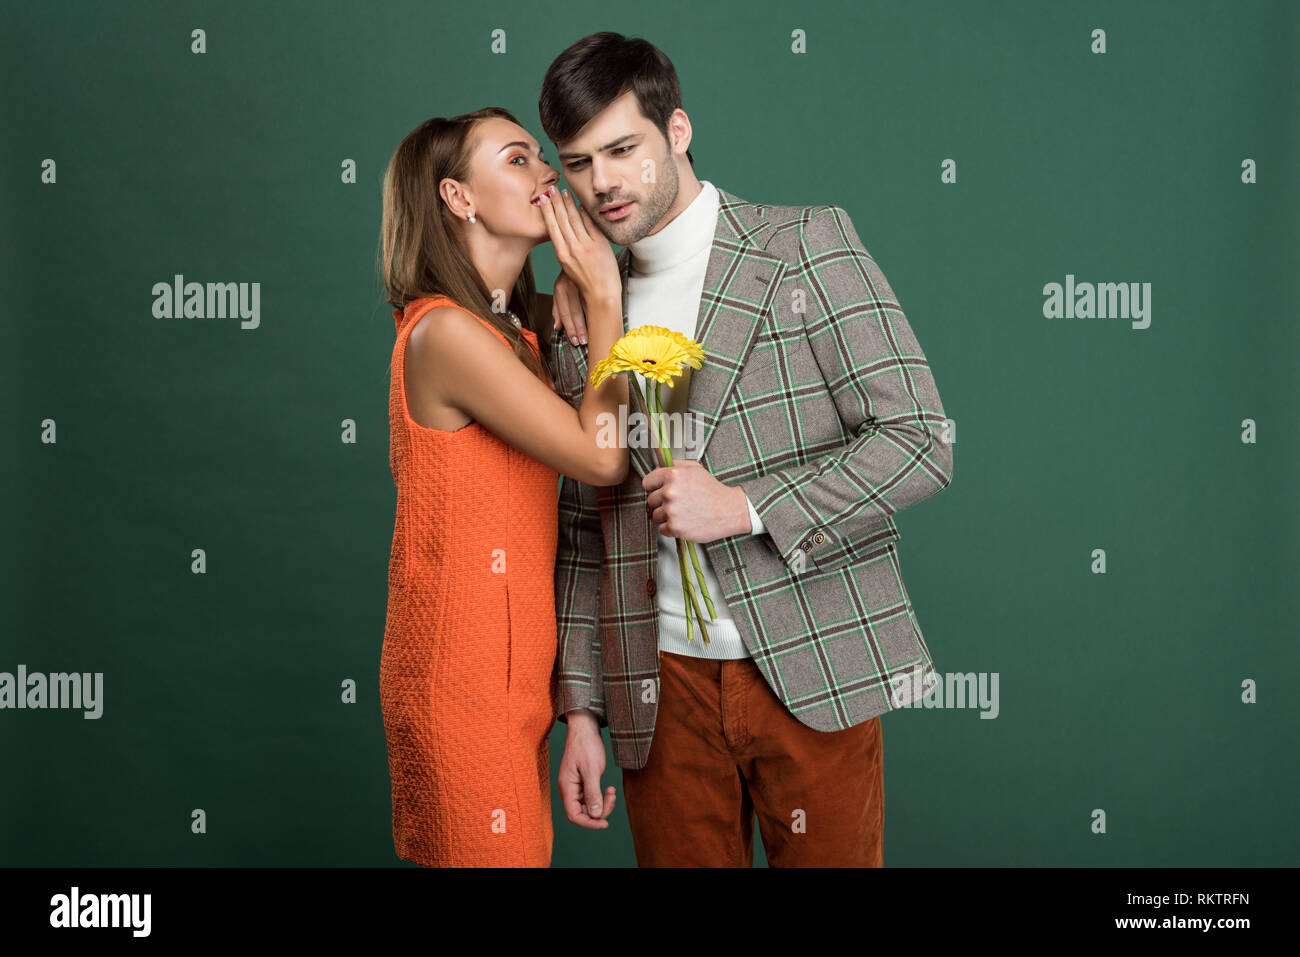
778,517
572,697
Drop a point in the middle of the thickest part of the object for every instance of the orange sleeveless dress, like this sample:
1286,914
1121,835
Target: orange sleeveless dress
466,676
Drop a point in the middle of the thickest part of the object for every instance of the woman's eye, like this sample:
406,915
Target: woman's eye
623,149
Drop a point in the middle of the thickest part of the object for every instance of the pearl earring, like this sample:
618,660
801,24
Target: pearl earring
471,217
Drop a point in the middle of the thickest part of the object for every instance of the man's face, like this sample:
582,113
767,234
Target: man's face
620,158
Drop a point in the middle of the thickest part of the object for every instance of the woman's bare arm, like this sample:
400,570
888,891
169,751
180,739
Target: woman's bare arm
473,371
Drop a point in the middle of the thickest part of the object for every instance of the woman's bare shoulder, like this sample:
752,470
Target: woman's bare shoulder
454,328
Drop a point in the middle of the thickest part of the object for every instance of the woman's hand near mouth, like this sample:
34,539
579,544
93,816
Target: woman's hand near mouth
583,251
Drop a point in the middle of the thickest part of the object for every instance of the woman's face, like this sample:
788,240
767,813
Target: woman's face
507,173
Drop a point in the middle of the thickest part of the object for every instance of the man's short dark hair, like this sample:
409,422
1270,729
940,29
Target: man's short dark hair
597,70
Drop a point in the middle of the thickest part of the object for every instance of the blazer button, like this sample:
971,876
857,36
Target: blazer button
819,538
806,545
650,587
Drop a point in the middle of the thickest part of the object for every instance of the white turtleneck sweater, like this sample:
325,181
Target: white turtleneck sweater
665,280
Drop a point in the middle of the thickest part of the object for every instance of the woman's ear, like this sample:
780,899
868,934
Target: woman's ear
454,195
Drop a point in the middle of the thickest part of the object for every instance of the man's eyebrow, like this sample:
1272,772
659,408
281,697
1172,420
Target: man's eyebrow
608,146
518,143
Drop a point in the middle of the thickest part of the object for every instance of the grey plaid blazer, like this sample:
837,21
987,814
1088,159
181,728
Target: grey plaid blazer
816,399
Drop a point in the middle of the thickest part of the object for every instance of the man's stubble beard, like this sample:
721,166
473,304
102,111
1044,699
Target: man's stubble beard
652,207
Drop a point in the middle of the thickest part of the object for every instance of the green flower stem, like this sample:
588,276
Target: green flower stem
688,590
704,586
681,563
690,546
646,404
690,595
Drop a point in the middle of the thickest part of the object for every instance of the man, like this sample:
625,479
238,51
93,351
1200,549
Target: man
820,421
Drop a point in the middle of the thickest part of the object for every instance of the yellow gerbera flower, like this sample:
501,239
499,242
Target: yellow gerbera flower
659,354
655,352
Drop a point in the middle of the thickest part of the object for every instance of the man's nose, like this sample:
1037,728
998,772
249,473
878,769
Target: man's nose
602,181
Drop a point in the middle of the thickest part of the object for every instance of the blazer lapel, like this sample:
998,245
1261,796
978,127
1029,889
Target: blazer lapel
739,284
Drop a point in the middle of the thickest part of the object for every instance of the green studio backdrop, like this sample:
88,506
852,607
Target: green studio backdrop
983,151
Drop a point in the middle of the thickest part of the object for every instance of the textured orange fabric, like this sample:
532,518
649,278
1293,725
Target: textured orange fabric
466,676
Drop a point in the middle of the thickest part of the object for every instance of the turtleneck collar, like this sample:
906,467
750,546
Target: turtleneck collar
681,238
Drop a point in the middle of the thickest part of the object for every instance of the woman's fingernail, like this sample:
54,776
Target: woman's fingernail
575,339
584,340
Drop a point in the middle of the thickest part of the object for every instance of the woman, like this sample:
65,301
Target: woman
478,437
